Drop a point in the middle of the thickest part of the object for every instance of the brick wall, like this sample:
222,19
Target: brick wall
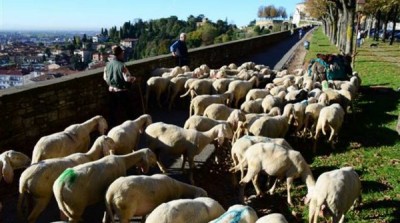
32,111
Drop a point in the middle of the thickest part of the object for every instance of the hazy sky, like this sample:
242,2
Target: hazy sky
94,14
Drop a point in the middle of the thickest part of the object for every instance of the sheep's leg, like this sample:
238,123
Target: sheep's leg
255,181
251,172
289,182
191,167
159,99
40,205
331,137
337,218
316,139
183,162
272,189
159,164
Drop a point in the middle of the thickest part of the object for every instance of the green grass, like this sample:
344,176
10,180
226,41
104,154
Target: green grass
368,140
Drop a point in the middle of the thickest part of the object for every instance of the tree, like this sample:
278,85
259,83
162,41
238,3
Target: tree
84,38
47,51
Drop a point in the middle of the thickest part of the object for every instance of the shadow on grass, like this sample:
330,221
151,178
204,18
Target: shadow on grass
373,186
384,204
367,126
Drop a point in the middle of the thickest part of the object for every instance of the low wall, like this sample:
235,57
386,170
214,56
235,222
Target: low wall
32,111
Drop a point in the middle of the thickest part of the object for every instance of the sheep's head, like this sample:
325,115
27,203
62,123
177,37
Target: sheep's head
149,159
17,160
107,144
11,160
200,192
146,120
102,125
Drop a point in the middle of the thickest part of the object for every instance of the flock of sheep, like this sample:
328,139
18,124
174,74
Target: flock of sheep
227,105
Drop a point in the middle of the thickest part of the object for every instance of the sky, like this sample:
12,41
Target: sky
91,15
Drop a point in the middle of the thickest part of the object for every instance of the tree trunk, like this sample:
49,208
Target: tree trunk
386,24
396,11
377,27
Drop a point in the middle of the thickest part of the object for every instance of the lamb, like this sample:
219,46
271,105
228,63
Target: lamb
159,85
175,140
198,210
139,195
86,184
201,102
272,218
126,135
239,214
240,88
11,160
336,190
36,181
73,139
330,117
277,161
274,127
222,112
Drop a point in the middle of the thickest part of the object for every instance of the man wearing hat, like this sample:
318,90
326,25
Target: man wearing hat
119,82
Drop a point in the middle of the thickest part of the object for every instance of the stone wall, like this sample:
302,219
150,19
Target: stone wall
32,111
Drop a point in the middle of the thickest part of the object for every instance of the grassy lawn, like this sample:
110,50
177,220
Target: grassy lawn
368,140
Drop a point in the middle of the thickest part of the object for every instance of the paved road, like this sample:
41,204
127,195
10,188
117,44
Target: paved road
274,57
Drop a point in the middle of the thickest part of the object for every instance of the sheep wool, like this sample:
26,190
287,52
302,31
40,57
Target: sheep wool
68,176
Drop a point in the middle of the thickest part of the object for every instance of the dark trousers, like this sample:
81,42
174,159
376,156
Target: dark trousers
182,61
121,107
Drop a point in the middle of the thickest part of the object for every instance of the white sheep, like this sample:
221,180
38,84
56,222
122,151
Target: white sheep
139,195
277,161
86,184
158,85
252,106
239,88
73,139
243,143
256,93
299,114
199,103
336,191
237,214
126,135
35,183
11,160
272,218
175,140
271,101
198,210
330,117
221,85
274,127
311,117
198,87
222,112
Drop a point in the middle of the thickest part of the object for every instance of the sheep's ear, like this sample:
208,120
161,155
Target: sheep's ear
7,171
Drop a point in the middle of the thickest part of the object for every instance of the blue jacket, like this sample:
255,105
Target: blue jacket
179,48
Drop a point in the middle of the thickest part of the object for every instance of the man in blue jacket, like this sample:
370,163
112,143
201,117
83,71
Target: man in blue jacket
179,51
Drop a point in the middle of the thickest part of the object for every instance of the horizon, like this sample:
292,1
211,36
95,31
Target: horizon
25,15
